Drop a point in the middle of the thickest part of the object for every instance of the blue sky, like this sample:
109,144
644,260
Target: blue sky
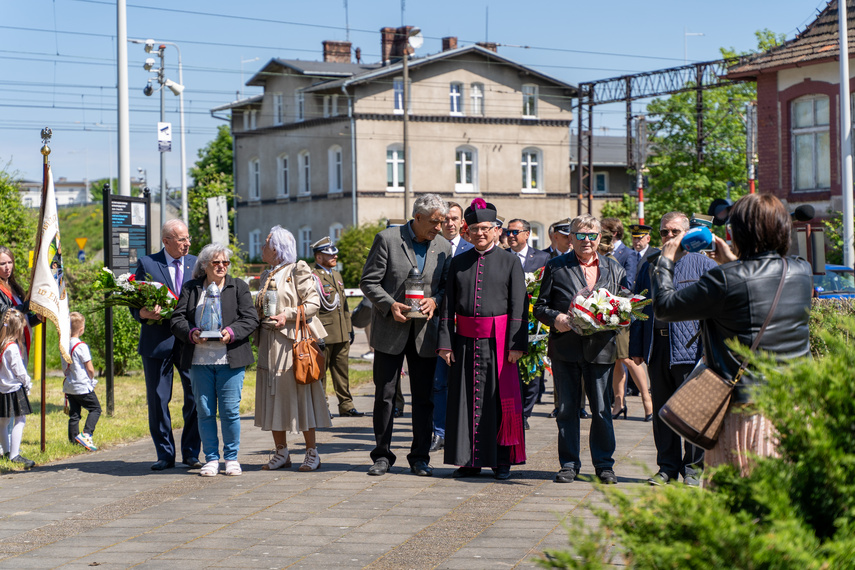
58,57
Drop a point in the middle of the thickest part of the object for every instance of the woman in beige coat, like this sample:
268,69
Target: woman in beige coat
282,405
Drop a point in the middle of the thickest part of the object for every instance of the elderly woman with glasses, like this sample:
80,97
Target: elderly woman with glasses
214,320
281,404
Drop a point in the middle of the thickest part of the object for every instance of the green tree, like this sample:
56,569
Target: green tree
17,226
215,157
353,246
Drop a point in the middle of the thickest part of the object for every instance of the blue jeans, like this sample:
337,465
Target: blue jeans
218,387
596,380
440,397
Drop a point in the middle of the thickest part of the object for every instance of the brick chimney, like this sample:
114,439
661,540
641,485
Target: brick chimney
449,42
393,41
338,52
387,38
492,46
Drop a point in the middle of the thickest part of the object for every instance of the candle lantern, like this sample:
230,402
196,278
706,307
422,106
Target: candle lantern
271,299
414,288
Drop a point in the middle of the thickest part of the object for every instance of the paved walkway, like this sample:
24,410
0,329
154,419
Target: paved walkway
109,509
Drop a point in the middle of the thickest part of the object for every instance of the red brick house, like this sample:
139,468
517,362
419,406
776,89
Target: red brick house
798,92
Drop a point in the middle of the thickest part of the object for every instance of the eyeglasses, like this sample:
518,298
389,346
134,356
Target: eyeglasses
479,229
223,263
181,240
514,232
581,236
666,232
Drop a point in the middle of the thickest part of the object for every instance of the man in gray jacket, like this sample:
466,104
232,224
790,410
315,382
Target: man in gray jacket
395,252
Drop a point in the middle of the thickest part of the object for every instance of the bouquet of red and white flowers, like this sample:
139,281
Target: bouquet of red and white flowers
600,310
126,291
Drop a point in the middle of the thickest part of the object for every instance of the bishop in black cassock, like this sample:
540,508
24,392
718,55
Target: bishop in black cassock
483,331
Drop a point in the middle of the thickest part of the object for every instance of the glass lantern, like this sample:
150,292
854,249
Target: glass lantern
414,291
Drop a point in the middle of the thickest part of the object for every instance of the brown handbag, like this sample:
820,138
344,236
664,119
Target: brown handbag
308,356
696,410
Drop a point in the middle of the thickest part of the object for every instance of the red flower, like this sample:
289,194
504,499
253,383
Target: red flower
132,278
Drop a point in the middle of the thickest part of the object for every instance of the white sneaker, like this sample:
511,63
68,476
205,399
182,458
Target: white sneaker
210,469
233,468
367,356
282,458
312,460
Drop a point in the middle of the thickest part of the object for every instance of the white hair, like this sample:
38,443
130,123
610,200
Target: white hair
206,255
282,242
170,227
427,204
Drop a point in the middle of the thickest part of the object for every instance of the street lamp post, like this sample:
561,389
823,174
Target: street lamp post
414,40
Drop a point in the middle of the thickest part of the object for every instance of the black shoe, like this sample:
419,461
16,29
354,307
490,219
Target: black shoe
352,413
191,463
380,467
436,443
162,464
566,475
584,414
399,413
607,476
648,418
525,423
553,413
461,472
27,463
502,472
620,411
421,468
660,479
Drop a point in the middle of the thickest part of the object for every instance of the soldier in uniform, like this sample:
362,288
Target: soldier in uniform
336,320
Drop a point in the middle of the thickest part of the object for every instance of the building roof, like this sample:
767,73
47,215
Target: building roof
817,43
396,68
253,101
605,150
321,69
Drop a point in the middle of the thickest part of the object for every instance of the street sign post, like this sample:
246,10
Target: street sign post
218,217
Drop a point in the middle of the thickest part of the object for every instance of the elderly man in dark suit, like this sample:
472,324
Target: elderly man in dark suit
579,360
395,252
173,267
642,251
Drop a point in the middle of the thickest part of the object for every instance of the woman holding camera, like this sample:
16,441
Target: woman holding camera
733,301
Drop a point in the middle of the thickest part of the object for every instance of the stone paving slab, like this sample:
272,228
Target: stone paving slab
108,508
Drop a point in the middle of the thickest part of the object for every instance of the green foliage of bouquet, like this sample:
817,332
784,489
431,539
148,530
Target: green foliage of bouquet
531,365
126,291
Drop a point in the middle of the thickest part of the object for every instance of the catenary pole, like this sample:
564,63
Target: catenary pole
845,135
123,106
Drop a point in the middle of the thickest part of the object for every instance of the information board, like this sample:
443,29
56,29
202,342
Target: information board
127,232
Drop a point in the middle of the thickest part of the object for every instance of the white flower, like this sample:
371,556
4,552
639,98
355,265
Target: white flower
614,320
107,270
529,279
124,283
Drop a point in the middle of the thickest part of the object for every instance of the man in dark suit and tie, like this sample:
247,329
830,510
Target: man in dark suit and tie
451,232
642,251
395,252
531,259
621,251
173,267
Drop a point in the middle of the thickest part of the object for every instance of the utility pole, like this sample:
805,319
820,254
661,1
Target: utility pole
751,142
845,135
640,158
123,105
408,180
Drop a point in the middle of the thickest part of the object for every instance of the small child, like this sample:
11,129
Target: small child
79,386
15,384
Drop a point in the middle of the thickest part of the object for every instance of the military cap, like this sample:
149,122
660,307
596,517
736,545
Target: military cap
563,226
640,230
325,245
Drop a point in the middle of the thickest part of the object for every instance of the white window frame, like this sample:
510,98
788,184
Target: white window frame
605,177
455,98
254,186
398,96
334,106
460,166
254,244
283,182
304,165
326,106
336,170
815,131
476,95
529,96
278,109
245,119
336,230
300,101
305,234
535,237
253,119
396,158
532,184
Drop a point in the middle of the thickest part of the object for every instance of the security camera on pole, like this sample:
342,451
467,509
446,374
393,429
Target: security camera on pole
164,129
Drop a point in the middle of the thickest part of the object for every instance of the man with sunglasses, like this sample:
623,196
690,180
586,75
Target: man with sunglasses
669,360
171,266
581,360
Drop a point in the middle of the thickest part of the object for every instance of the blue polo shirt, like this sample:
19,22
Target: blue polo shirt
419,248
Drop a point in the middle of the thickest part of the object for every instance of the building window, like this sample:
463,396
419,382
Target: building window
254,179
335,174
395,168
305,175
476,93
278,109
531,170
534,236
601,183
335,232
529,93
465,170
334,106
306,242
301,105
455,95
398,94
327,105
253,119
254,245
811,145
282,180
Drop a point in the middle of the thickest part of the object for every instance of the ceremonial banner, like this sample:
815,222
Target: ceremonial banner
48,296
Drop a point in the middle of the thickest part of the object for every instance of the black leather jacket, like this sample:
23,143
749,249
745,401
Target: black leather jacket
733,300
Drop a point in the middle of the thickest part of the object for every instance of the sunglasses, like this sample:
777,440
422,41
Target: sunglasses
223,263
581,236
666,233
513,232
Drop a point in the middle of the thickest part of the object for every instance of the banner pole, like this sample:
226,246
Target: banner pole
41,349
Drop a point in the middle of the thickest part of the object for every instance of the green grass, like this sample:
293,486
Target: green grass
128,423
81,222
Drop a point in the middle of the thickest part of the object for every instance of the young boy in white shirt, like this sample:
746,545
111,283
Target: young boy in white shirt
79,386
